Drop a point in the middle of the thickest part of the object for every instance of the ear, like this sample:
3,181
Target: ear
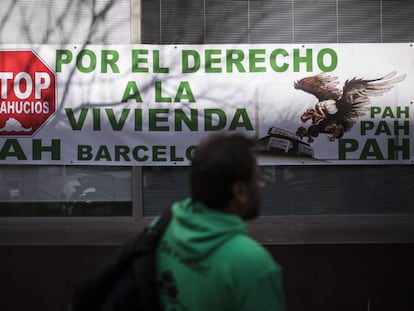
240,192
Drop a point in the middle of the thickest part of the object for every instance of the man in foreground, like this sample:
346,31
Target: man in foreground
206,260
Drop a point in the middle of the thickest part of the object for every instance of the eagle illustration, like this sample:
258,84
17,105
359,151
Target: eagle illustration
336,112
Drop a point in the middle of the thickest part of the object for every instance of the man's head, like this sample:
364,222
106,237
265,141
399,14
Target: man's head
224,175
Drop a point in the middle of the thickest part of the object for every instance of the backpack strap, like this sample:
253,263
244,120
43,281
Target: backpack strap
163,221
145,267
148,241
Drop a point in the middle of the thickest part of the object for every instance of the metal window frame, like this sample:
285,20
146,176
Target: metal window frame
77,230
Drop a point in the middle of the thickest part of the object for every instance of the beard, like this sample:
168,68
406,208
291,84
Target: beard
253,207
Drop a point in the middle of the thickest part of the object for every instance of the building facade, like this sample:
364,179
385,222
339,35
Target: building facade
343,233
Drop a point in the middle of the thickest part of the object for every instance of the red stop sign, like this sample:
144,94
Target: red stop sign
28,93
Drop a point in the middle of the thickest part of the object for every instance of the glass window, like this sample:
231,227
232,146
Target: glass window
397,21
359,21
303,190
337,190
63,21
162,186
283,21
34,191
309,29
31,191
271,21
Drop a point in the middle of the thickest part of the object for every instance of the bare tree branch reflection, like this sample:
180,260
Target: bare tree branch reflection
7,15
64,21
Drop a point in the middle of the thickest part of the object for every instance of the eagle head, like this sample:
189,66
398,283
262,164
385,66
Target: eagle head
298,84
307,84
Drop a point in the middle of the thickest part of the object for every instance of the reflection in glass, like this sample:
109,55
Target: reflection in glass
303,190
65,191
162,186
338,190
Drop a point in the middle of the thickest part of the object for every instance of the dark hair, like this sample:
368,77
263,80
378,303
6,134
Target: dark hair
217,163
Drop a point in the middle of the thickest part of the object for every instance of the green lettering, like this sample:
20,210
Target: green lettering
158,94
236,61
62,57
273,60
405,127
103,154
137,60
394,148
159,153
157,68
371,149
383,128
400,112
366,126
96,112
117,125
211,59
76,124
156,116
184,92
84,152
54,149
307,59
173,155
241,119
345,146
322,57
194,65
90,57
220,119
189,152
191,122
121,152
131,92
388,113
254,59
374,110
109,58
138,119
12,148
136,156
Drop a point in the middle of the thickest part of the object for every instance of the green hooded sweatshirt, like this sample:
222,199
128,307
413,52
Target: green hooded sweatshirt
206,261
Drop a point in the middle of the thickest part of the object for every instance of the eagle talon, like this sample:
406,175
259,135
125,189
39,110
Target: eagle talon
301,132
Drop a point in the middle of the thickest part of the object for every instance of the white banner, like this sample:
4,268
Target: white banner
151,105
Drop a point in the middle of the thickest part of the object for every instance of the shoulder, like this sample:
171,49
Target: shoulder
243,252
252,273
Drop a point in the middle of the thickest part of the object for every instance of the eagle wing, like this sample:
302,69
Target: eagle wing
356,94
322,86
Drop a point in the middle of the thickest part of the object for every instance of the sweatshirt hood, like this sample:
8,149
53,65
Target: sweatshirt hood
196,230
